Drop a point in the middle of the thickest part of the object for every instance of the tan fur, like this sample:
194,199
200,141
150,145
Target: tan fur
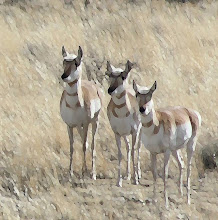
171,117
74,94
167,119
148,124
90,92
72,83
121,95
129,108
194,120
73,107
133,107
156,129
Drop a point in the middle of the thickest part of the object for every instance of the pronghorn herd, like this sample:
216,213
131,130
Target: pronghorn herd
130,112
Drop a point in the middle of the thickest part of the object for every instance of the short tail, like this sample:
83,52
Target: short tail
195,119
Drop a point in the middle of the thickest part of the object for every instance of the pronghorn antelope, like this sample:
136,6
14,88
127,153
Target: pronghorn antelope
167,131
80,105
123,115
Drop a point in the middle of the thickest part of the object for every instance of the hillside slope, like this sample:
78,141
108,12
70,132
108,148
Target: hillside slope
175,44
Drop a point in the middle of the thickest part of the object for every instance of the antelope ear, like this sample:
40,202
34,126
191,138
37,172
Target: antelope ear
129,66
127,69
135,86
109,69
79,57
154,87
64,53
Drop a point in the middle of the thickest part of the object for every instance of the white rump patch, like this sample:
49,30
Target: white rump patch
95,106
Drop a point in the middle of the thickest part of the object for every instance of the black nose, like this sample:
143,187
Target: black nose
141,109
63,76
110,90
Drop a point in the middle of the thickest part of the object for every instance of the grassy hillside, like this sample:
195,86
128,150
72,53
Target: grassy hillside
173,43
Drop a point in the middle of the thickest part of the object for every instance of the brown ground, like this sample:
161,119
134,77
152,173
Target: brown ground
175,44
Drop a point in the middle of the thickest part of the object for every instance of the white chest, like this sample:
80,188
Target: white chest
73,117
153,142
125,125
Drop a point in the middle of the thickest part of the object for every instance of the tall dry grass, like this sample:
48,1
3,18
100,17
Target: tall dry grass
173,43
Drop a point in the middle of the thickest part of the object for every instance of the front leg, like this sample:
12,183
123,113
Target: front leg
154,172
70,133
138,157
85,133
128,169
118,141
81,133
135,174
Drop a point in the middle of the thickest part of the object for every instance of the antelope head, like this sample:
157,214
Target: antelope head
72,65
118,78
144,97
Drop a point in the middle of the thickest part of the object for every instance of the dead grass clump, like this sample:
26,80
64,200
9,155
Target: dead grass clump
209,156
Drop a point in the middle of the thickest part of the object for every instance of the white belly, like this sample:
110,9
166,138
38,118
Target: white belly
123,126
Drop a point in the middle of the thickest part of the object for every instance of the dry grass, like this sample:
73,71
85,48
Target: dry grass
175,44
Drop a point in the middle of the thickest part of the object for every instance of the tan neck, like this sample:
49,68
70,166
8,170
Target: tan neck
74,94
73,88
151,118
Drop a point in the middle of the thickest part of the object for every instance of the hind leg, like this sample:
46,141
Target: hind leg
119,178
177,155
166,168
190,151
94,130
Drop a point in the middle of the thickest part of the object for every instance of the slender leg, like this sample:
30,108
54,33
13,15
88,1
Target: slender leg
85,132
154,172
128,169
94,130
135,174
190,150
80,131
118,141
138,158
70,133
177,155
166,168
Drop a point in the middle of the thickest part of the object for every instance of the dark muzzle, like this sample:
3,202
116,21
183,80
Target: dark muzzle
110,90
64,76
141,109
